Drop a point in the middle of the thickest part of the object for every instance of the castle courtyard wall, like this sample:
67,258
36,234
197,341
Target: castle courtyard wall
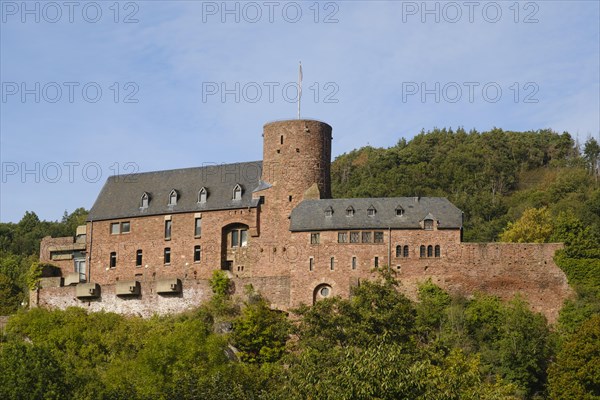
500,269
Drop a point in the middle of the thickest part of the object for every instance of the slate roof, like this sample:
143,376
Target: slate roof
309,215
121,195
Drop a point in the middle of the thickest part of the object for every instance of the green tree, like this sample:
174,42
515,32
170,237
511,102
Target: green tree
431,310
30,371
534,226
10,295
576,372
591,151
260,333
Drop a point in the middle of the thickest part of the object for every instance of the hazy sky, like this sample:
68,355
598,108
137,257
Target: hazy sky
93,89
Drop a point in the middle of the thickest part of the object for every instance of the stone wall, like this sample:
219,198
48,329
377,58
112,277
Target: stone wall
148,303
504,270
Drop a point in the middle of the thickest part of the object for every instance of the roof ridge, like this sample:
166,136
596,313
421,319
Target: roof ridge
184,169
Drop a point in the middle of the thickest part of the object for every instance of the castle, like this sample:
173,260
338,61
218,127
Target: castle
153,240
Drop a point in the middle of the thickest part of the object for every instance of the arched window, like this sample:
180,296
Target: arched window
405,252
422,251
173,197
145,200
202,195
237,192
322,292
430,251
398,251
437,250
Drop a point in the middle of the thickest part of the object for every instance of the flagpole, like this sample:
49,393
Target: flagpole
299,87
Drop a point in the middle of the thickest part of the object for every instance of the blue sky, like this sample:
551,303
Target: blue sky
93,89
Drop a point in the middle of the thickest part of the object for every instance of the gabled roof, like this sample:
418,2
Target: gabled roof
309,214
121,195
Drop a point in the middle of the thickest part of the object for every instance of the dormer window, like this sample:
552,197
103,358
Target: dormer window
329,212
371,211
202,195
144,200
399,211
237,192
173,197
428,224
350,211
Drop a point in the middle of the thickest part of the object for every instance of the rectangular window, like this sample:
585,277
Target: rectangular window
235,238
138,258
244,237
113,259
428,224
167,255
353,262
198,227
114,228
197,253
332,263
366,237
315,238
311,264
342,237
378,237
125,227
376,262
354,237
168,229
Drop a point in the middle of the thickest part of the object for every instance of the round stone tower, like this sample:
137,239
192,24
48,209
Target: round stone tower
296,161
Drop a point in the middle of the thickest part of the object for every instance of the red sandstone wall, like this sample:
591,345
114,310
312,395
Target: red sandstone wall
503,270
147,234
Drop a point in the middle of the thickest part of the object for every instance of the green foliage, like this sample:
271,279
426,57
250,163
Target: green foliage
31,371
431,310
534,226
591,151
10,295
259,333
584,275
33,275
220,283
375,311
524,347
576,372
